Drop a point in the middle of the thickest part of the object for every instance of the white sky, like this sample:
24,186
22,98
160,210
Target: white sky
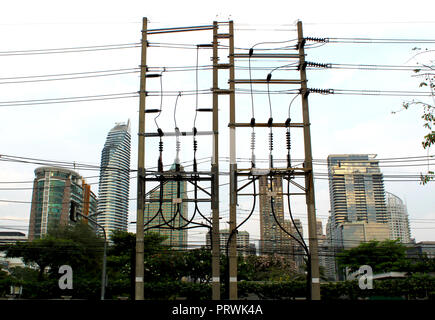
340,123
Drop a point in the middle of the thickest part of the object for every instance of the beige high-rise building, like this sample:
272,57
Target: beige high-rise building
358,208
398,219
354,233
274,240
356,189
243,245
271,211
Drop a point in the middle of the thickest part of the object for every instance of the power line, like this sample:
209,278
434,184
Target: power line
70,49
100,97
379,40
67,76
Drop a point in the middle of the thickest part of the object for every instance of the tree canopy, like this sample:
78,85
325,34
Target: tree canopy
382,256
77,246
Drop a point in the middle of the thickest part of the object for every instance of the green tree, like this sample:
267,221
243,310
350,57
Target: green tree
382,256
77,246
266,268
422,264
121,260
197,265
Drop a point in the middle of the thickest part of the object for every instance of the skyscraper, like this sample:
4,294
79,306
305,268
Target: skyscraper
114,182
243,245
397,218
357,198
55,190
157,213
358,209
356,188
274,240
299,253
271,235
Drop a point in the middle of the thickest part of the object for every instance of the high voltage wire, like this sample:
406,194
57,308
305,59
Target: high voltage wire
67,76
76,165
70,49
115,96
110,96
379,40
193,46
123,71
395,162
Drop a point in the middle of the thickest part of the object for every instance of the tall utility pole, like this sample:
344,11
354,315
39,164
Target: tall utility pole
309,181
233,178
142,178
215,162
215,250
288,172
232,255
139,285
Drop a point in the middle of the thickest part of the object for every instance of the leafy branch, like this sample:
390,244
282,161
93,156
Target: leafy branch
428,116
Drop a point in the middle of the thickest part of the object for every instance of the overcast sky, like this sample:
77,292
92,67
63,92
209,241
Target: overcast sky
339,123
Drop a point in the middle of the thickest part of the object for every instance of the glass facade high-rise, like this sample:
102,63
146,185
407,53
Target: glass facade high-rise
169,212
114,184
398,218
358,208
356,188
54,189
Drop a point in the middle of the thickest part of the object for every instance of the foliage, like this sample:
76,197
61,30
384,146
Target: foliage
121,260
276,290
428,116
422,264
167,270
196,265
77,246
176,290
266,268
382,256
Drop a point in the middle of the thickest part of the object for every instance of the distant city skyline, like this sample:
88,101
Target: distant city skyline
75,131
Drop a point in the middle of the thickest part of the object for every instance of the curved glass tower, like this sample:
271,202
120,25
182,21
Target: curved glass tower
114,183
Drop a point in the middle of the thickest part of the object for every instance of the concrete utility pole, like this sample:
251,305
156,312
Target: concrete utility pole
309,181
142,178
215,162
139,285
233,178
215,250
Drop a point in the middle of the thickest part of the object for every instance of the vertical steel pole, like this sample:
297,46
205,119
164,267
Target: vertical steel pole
103,273
309,182
233,170
139,285
215,174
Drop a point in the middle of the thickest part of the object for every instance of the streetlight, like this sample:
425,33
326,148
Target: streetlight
103,276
